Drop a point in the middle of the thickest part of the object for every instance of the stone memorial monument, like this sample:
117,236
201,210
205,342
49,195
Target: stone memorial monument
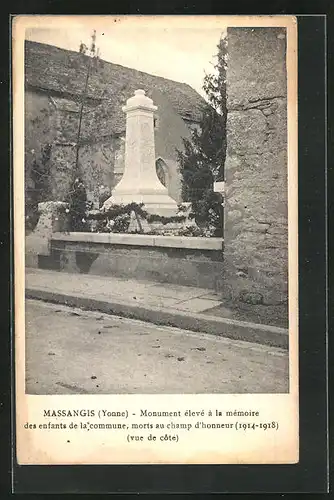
140,183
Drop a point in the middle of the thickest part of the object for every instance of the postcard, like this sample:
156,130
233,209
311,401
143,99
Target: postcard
156,231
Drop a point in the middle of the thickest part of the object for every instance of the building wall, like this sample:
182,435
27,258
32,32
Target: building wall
96,160
40,128
168,139
256,231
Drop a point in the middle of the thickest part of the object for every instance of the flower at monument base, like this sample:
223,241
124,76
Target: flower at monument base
67,210
110,224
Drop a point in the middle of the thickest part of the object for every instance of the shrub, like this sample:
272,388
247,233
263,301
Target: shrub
77,200
203,157
40,175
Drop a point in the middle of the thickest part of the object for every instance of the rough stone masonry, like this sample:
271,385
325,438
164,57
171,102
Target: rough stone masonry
256,227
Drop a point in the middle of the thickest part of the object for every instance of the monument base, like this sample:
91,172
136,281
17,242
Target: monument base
157,204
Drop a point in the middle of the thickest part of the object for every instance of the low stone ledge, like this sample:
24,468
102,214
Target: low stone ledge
142,240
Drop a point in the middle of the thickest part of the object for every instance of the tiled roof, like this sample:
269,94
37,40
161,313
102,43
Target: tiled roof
110,85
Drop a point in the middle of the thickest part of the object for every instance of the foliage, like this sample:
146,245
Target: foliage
202,160
77,200
117,218
215,83
40,175
194,231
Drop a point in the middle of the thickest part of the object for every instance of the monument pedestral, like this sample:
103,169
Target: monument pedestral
140,183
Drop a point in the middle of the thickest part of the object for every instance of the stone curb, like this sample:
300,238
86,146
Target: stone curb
237,330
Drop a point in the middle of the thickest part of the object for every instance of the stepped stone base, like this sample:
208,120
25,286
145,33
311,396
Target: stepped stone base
154,204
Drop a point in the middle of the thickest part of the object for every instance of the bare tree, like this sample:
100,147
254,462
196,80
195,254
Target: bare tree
93,54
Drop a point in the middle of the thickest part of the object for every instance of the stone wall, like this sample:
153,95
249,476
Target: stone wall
53,120
188,261
96,162
256,232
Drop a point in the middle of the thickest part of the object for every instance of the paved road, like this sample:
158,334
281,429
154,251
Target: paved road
71,351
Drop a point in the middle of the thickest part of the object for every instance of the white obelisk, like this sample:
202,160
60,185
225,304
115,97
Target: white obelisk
140,182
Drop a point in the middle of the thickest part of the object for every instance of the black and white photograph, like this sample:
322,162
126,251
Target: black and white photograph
157,228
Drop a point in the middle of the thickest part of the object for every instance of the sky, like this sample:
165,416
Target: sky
178,48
